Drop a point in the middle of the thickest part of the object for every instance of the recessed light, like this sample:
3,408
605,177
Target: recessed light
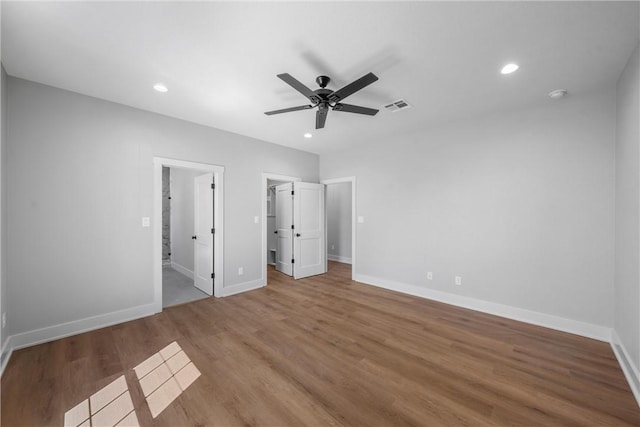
307,135
509,68
160,87
557,94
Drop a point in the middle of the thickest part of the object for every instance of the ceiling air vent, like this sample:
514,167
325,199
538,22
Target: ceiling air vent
398,105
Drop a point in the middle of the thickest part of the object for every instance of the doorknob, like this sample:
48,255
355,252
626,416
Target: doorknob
297,234
194,237
275,232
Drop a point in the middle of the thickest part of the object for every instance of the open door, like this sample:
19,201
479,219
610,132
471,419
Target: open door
284,222
309,247
203,236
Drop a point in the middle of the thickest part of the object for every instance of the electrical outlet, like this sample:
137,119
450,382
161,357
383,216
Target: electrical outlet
4,319
240,271
458,280
429,276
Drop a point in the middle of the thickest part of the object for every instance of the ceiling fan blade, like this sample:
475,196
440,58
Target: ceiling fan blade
348,108
352,87
288,110
321,117
291,81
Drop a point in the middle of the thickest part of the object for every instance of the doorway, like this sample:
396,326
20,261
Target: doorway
195,224
269,241
295,212
186,248
341,222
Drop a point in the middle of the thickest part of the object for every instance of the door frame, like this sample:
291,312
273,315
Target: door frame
352,180
218,224
265,177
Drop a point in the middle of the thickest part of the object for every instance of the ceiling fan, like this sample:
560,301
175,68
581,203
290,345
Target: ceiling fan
326,99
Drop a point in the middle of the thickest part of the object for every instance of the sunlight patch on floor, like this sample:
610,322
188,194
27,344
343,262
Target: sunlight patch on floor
164,376
110,406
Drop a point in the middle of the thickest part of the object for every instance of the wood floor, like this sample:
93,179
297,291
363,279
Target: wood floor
326,351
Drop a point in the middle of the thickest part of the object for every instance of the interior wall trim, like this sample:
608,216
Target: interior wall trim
182,269
243,287
629,369
5,355
62,330
588,330
339,258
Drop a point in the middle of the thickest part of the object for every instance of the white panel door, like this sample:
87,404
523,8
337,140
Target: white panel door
203,243
309,221
284,221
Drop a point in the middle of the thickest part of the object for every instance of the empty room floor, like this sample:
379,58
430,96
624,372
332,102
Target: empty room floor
178,288
319,351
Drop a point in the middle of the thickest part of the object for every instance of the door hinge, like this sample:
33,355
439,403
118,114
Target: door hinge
213,275
293,261
213,231
213,186
292,192
292,227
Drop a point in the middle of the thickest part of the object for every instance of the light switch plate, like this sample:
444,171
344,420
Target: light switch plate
146,221
256,219
360,220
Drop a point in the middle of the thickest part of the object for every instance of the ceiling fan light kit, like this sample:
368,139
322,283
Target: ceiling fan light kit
325,99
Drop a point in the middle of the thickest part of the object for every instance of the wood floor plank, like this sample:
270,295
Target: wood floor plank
329,351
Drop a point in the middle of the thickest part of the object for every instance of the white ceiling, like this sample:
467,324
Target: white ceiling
220,59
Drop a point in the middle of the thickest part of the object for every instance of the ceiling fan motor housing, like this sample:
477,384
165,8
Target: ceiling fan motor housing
323,81
323,94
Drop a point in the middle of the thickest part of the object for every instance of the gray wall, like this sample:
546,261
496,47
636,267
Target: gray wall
182,216
627,265
82,178
519,204
3,203
339,220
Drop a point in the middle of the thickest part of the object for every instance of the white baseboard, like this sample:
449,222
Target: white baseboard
182,269
5,355
630,370
242,287
576,327
50,333
339,258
